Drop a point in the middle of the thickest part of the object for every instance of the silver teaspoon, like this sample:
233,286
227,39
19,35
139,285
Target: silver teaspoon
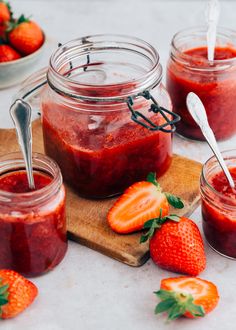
198,112
20,112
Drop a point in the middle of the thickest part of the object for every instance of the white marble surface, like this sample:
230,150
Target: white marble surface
87,290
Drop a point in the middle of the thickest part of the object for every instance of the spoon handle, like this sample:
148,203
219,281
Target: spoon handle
20,112
210,137
212,16
198,112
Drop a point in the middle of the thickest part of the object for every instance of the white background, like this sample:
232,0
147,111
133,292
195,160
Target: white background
89,291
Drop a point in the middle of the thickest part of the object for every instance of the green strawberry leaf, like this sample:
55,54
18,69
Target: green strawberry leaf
173,217
22,19
164,294
3,301
174,201
3,289
3,294
164,305
176,311
151,177
149,224
196,310
156,223
144,238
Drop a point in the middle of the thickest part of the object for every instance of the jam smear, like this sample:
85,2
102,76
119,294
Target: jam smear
219,223
33,234
216,89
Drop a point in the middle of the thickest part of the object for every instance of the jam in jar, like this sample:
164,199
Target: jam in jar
189,70
219,205
32,222
96,86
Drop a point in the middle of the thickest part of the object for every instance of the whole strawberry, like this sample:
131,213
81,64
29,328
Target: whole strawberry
25,36
176,245
5,16
7,54
16,293
5,12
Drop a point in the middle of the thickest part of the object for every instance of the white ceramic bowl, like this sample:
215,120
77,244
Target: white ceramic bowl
14,72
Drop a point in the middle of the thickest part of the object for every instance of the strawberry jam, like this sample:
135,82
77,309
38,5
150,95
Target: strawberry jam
100,157
32,223
219,213
215,84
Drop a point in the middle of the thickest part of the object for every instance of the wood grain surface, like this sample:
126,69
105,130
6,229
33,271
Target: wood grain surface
86,219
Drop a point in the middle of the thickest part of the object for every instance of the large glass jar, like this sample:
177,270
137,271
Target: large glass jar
189,70
98,88
219,205
105,114
32,223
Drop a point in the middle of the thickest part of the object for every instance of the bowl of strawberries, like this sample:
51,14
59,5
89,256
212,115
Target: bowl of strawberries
21,45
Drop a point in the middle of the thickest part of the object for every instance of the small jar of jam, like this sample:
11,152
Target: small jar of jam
32,222
105,114
219,205
189,70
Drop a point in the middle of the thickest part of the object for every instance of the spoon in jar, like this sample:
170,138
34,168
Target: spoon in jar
20,112
198,112
212,17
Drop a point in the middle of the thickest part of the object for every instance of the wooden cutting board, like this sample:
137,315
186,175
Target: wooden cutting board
86,219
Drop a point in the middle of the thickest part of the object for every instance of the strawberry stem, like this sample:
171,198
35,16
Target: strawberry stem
151,177
177,304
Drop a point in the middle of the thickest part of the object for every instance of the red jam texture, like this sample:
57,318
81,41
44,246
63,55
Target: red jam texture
101,155
219,223
217,91
33,239
17,182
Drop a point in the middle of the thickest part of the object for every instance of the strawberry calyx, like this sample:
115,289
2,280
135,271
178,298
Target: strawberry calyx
156,223
173,200
3,295
16,22
151,177
177,304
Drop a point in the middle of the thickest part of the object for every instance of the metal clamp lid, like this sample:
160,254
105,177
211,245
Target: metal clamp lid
156,108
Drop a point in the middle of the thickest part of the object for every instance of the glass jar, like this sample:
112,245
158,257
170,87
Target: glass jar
32,223
219,205
96,107
189,70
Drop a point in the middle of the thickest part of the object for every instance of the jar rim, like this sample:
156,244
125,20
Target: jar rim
206,64
151,78
38,195
204,174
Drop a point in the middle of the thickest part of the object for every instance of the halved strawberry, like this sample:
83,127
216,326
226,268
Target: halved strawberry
142,201
188,296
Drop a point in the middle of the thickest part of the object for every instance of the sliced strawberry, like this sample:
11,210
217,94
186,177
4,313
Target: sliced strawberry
187,296
142,201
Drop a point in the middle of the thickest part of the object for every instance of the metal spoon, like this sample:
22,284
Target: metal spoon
212,16
20,112
198,112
